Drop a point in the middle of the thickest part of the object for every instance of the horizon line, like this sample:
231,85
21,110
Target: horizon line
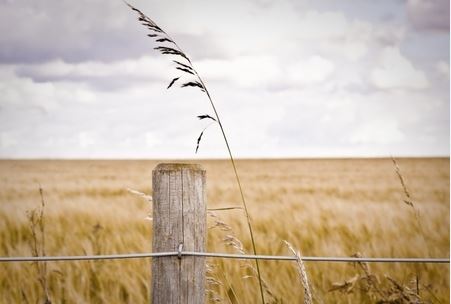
219,158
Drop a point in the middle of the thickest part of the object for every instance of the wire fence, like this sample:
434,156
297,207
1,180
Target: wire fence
225,256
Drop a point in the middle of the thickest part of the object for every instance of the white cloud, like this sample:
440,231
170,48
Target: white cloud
243,71
86,139
396,71
322,25
151,139
23,91
46,96
8,140
267,72
316,69
442,68
381,131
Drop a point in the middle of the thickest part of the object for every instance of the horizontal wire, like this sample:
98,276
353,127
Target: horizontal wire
223,255
319,259
88,257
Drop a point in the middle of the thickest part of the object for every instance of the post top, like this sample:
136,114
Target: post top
177,167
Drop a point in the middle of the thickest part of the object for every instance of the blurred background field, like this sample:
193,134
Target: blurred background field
323,207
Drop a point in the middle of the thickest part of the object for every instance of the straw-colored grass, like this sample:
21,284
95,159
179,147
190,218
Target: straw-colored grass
322,207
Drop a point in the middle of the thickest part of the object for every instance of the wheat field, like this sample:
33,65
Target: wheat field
323,207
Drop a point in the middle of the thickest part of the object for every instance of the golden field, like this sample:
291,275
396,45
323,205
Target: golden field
323,207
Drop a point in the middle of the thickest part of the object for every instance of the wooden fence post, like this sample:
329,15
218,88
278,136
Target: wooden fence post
179,217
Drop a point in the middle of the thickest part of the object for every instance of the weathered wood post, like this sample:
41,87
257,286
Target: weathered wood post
179,219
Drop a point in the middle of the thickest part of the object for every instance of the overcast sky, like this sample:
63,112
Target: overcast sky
290,78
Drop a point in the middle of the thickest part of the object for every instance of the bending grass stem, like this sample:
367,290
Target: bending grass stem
239,186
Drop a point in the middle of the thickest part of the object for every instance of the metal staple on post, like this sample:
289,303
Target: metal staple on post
179,252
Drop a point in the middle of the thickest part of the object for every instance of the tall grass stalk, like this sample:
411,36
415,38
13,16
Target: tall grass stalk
308,298
36,219
409,201
188,69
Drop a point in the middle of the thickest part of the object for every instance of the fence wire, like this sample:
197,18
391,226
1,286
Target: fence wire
223,255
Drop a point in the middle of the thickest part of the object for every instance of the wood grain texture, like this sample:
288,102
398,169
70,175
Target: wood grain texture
179,217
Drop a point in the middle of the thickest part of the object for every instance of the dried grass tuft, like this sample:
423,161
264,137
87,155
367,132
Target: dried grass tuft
230,240
146,197
409,201
388,291
36,219
308,299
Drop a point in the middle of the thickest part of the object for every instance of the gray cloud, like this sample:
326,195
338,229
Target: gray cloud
77,31
429,14
39,31
98,76
201,47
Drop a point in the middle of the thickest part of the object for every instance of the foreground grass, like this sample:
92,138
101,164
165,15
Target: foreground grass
323,207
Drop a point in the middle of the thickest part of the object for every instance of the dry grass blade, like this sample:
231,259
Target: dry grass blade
170,51
232,296
164,40
201,134
185,70
145,20
193,84
213,281
225,208
205,116
218,222
183,65
347,286
402,294
37,226
217,280
172,82
409,201
432,293
234,242
230,239
143,195
369,285
212,284
199,139
371,280
302,274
